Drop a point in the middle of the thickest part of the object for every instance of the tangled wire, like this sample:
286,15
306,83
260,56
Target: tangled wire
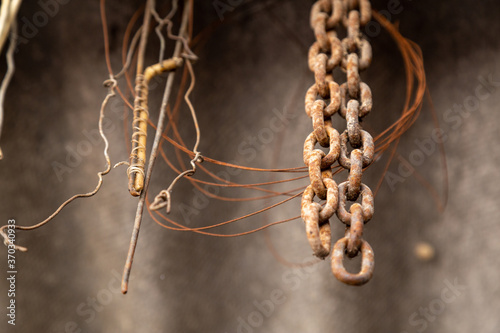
120,86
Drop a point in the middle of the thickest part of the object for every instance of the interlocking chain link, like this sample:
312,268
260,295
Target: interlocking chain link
353,101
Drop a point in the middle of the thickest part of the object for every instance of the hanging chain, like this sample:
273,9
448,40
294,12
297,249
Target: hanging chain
353,101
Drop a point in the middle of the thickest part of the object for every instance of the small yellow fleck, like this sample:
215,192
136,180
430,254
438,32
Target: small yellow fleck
424,251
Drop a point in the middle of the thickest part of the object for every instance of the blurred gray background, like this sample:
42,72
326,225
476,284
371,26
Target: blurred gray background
252,62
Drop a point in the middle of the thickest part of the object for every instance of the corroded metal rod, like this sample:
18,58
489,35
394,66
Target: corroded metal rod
154,151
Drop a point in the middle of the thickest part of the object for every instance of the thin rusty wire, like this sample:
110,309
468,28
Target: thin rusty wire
111,85
413,64
180,146
188,6
163,199
242,167
199,229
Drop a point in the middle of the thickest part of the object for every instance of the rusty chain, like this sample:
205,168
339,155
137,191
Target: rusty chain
353,101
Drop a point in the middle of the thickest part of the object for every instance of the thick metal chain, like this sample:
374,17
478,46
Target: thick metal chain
353,101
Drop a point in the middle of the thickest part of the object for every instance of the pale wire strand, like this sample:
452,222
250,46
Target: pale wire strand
111,84
188,54
126,66
161,24
130,53
11,67
8,14
120,164
154,151
163,199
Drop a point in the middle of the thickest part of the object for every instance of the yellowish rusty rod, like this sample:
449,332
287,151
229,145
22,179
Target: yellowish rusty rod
140,122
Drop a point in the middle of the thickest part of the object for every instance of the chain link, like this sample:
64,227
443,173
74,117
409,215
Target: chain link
353,101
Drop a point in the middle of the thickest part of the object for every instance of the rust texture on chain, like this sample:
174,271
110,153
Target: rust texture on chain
353,150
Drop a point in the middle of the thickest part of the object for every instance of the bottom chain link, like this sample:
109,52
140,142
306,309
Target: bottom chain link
367,263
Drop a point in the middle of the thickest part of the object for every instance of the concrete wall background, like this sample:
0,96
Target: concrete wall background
250,65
